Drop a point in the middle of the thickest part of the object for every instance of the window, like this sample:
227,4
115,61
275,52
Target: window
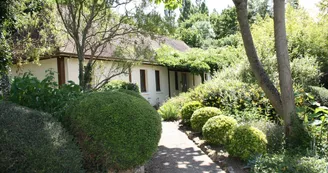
206,77
157,79
143,81
176,81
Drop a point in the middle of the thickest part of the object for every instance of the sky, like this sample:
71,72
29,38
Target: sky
219,5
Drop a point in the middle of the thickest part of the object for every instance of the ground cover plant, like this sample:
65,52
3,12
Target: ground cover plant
115,130
32,141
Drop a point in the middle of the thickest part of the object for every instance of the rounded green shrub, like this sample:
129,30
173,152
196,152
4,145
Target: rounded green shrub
32,141
200,116
188,109
115,130
218,129
247,141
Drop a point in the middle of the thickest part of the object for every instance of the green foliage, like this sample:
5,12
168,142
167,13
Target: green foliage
32,141
246,142
197,61
115,130
243,101
188,109
306,71
200,116
217,130
170,110
43,95
274,134
320,94
119,84
289,164
226,23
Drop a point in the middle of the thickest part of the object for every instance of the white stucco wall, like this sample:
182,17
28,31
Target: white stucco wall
102,69
38,70
154,97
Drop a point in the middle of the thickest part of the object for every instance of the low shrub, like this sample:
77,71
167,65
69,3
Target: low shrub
171,108
235,98
169,112
274,134
188,109
218,129
321,94
43,95
289,164
200,116
246,142
115,130
32,141
119,84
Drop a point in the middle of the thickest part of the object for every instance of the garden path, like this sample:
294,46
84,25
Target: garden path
177,154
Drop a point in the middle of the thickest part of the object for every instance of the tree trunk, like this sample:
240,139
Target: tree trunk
4,85
80,56
263,79
285,79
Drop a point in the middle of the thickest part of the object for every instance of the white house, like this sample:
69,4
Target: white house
157,83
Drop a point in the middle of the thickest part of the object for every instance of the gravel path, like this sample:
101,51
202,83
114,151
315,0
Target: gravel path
177,154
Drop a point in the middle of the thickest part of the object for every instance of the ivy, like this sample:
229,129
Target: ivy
197,61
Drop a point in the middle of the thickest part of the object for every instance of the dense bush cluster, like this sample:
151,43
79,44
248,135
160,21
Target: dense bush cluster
44,95
200,116
115,130
246,142
188,109
32,141
217,130
119,84
289,164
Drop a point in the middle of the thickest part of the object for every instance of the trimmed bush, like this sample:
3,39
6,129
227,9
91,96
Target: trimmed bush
200,116
32,141
274,134
188,109
246,142
115,130
321,94
218,129
289,164
120,84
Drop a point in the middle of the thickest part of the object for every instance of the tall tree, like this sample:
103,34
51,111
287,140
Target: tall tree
94,26
185,11
282,102
226,23
27,32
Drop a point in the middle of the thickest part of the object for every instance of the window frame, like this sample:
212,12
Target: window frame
176,80
157,81
143,81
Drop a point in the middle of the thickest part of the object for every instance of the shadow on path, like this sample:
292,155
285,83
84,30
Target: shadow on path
180,160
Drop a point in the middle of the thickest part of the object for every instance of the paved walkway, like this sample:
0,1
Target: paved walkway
177,154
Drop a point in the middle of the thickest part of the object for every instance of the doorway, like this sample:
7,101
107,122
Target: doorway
184,82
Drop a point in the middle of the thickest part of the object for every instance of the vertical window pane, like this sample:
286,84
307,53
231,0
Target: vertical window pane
176,81
158,84
143,81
